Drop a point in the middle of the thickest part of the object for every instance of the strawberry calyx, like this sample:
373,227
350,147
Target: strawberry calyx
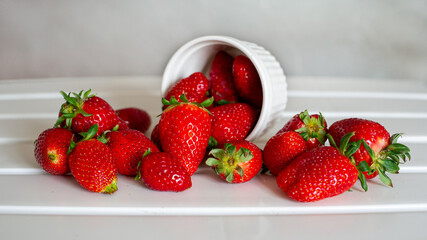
386,160
347,149
138,173
314,128
87,136
226,160
73,106
173,102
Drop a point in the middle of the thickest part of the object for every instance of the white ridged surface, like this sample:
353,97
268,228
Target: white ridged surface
31,198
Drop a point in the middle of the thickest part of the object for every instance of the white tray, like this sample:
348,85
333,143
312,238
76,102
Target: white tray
33,203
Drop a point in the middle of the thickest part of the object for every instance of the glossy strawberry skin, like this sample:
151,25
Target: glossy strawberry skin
128,147
375,135
51,150
282,149
250,168
184,132
135,118
247,81
317,174
195,87
163,172
232,122
221,76
101,113
296,123
155,137
92,165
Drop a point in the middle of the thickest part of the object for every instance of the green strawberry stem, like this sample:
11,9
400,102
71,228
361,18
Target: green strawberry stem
73,106
228,159
347,149
138,173
173,102
87,136
388,159
314,127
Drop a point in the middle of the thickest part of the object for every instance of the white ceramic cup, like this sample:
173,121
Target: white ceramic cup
197,56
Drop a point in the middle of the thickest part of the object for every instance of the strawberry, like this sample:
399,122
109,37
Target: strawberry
237,162
317,174
281,149
83,110
51,149
195,87
221,75
163,172
123,125
233,122
184,130
247,81
128,147
92,164
135,118
155,137
312,128
379,153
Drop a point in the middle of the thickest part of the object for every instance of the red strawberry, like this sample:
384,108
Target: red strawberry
184,130
136,118
163,172
233,122
83,110
312,128
379,153
51,149
247,80
238,162
317,174
123,125
128,147
195,87
281,150
92,164
155,137
221,75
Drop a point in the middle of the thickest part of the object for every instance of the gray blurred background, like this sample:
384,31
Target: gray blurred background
333,38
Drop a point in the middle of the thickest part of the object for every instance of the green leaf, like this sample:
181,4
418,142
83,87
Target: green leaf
368,149
64,95
91,132
362,180
212,162
148,151
390,166
229,176
240,171
219,169
344,142
81,111
213,143
244,155
230,148
353,147
183,98
384,178
71,147
398,148
59,121
86,94
363,166
208,102
395,137
165,102
173,100
218,153
222,102
115,128
331,141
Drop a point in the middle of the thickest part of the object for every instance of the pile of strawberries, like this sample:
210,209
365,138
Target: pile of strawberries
207,121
